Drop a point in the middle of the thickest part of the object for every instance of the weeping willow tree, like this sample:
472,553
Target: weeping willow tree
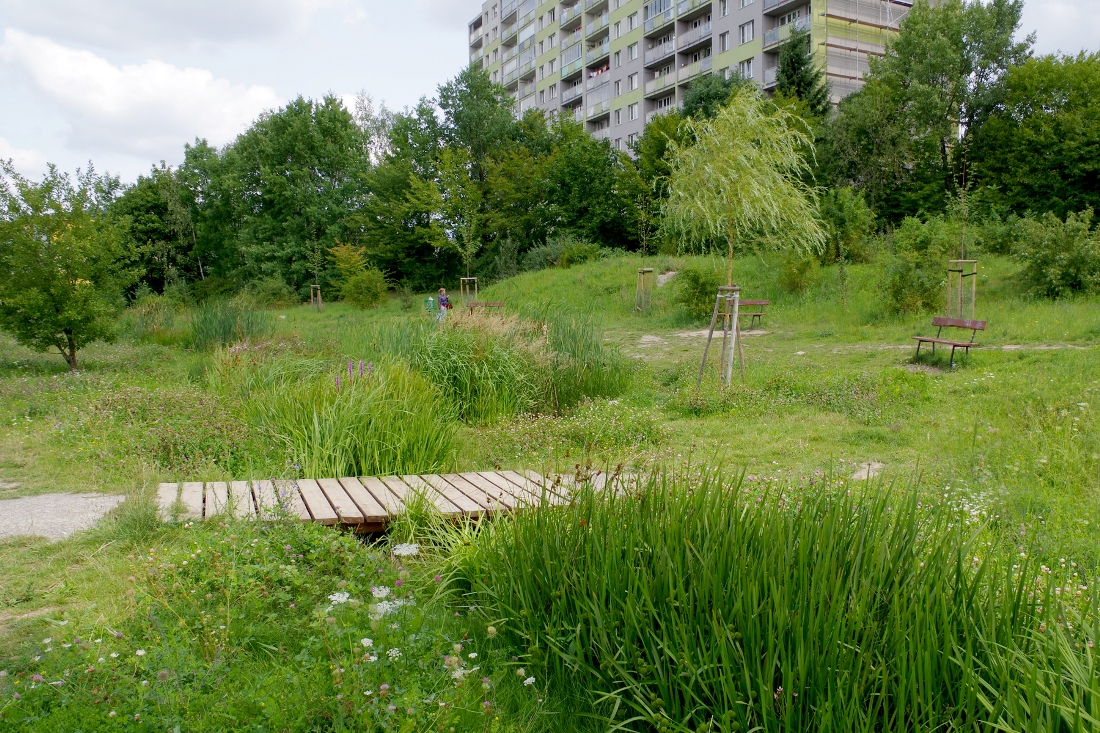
740,180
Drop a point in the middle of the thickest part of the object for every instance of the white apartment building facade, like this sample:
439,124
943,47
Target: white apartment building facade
615,64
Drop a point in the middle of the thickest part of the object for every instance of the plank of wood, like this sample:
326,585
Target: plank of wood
538,485
191,493
468,507
316,502
343,504
166,500
240,498
373,512
411,487
291,500
503,499
523,495
217,498
267,501
489,502
385,497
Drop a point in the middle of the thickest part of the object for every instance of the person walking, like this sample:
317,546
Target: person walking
444,304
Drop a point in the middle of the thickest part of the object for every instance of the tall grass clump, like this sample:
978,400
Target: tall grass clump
583,367
221,322
687,603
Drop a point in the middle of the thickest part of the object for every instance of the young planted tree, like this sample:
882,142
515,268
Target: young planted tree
460,200
741,181
62,272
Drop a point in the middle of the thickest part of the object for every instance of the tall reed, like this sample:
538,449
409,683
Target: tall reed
223,322
686,603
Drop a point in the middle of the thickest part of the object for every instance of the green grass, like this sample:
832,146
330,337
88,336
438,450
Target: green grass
687,602
569,376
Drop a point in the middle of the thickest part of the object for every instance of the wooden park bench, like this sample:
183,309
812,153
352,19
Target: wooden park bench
941,323
756,314
482,304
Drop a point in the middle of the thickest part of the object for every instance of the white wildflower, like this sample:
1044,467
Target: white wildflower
472,655
372,658
406,549
114,655
368,643
140,653
394,654
529,681
341,597
379,591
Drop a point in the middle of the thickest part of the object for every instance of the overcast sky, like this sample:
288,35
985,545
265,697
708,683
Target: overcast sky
125,83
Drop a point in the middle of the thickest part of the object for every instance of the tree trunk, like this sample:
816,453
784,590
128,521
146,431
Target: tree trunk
70,354
729,266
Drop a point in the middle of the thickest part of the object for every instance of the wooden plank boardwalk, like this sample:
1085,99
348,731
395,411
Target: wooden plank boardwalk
366,504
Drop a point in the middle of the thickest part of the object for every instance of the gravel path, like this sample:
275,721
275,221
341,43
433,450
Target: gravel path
55,516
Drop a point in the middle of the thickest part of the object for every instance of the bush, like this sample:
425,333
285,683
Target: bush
1060,258
364,289
272,292
152,318
916,275
696,290
222,322
561,251
799,274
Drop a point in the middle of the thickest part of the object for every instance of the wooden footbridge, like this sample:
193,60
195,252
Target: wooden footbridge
366,504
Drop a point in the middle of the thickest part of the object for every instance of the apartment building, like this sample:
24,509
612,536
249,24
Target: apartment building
615,64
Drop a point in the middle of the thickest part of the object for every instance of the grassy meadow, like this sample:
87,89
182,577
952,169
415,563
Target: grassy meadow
754,578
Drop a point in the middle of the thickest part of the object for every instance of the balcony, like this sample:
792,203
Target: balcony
772,7
699,67
569,69
527,103
649,116
570,14
598,53
477,55
476,36
604,134
662,82
657,53
594,6
578,114
686,6
597,25
769,77
783,32
598,109
695,36
508,34
508,8
599,80
660,20
571,93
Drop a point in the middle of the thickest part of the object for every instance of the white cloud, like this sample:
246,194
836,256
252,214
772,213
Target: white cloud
145,109
1069,26
143,24
30,163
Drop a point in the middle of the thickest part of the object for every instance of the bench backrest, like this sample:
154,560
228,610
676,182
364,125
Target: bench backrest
942,321
756,302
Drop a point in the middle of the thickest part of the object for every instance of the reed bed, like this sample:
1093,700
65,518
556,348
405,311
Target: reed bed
690,603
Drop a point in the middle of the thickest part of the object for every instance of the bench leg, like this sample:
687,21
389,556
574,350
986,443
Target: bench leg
918,351
952,357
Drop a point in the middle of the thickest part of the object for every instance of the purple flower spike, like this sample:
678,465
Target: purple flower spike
360,367
350,372
370,368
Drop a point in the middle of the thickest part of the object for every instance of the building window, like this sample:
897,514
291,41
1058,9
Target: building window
632,111
542,72
618,117
618,87
541,19
632,82
618,59
747,31
618,143
542,97
494,11
553,41
724,42
541,49
618,29
745,69
632,21
552,63
632,52
631,139
553,91
788,18
550,15
723,8
747,3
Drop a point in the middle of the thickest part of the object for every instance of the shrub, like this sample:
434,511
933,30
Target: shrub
799,274
223,322
561,251
688,598
364,289
272,292
696,290
916,275
577,252
152,318
1060,258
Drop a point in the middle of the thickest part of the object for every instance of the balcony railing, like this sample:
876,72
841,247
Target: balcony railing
508,33
772,4
659,52
589,4
578,113
527,103
475,36
695,35
697,68
597,25
659,20
663,81
571,93
769,77
572,68
685,6
508,8
783,32
597,81
598,52
604,134
570,13
599,108
571,40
